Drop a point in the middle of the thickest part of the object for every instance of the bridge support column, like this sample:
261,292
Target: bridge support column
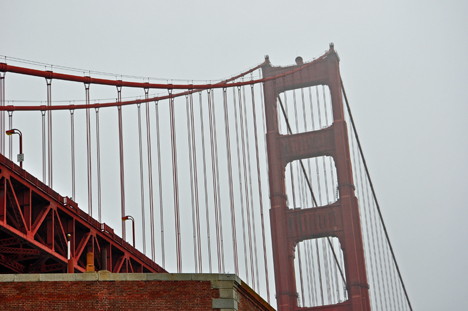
341,219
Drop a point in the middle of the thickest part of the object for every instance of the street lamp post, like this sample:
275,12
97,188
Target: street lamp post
20,157
133,225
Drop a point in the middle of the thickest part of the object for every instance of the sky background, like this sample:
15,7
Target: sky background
404,65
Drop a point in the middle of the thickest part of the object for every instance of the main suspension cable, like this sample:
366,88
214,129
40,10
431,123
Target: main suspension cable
246,186
252,211
119,83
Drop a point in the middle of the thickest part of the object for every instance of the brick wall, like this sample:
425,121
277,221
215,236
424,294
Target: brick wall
127,291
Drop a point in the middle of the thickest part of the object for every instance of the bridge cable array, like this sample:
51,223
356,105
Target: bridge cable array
374,198
320,269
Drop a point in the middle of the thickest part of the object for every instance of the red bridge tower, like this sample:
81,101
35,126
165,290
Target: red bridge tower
340,219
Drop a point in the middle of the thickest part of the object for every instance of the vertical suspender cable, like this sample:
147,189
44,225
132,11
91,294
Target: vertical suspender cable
313,290
49,129
193,190
246,186
249,171
195,179
160,193
260,196
72,143
231,190
363,205
44,148
319,271
378,240
215,181
10,138
262,104
301,282
142,186
121,157
205,184
150,175
98,164
223,269
2,113
240,185
175,184
309,271
88,153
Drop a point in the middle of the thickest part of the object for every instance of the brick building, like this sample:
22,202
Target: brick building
127,291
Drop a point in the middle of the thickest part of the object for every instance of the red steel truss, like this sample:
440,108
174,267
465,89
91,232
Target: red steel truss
36,224
341,219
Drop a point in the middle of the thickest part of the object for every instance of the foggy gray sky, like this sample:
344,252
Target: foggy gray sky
404,65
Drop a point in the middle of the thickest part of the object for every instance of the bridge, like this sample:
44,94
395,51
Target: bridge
264,169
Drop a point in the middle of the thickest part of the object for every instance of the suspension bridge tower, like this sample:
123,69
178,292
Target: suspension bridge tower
339,219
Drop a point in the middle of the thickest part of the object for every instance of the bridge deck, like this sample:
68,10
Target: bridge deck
36,224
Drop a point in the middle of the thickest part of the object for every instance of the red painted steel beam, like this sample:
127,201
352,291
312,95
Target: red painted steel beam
35,220
9,241
307,144
14,266
15,250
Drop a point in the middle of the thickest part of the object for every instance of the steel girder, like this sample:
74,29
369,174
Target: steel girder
36,224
